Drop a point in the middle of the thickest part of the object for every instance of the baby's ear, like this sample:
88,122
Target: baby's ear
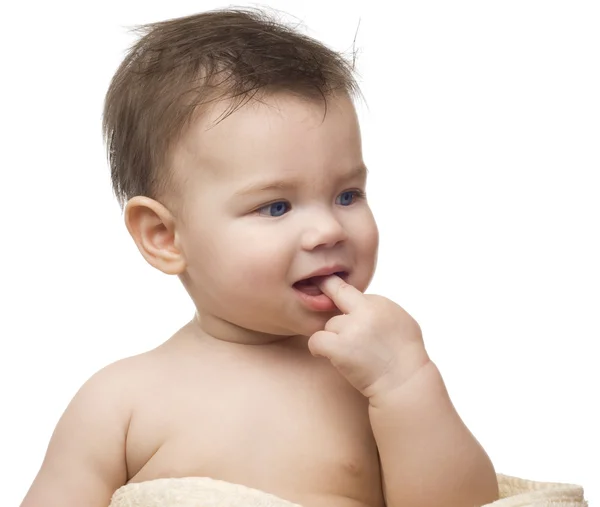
152,227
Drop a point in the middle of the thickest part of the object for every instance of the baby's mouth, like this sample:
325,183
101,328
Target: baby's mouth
310,287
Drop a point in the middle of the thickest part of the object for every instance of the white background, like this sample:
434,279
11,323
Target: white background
482,135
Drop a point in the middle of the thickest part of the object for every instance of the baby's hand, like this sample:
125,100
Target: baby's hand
375,344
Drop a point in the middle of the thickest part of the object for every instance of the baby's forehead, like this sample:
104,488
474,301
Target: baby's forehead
278,125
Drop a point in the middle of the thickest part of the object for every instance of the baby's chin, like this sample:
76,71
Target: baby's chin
308,326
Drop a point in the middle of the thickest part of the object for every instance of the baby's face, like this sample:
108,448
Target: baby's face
272,195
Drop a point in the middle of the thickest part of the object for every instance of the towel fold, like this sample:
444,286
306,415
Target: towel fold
206,492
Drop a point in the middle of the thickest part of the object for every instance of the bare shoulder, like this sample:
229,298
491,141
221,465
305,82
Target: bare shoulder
85,461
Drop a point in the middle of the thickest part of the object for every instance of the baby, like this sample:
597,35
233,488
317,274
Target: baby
235,149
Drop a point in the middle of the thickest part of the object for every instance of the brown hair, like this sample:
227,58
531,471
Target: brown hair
182,64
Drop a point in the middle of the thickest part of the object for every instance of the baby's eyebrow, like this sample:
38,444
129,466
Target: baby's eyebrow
283,185
264,186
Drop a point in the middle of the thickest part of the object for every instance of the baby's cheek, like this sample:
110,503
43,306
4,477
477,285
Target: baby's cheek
368,252
368,240
262,270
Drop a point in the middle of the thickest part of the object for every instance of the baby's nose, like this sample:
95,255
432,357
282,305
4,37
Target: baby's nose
324,231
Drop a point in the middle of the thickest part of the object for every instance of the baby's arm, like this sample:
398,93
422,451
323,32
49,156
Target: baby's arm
85,461
428,455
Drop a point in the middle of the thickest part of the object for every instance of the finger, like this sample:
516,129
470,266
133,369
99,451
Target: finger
325,344
345,296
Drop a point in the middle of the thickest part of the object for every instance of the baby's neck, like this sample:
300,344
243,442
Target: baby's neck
215,328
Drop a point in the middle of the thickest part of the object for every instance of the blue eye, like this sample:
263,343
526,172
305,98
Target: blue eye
349,197
275,209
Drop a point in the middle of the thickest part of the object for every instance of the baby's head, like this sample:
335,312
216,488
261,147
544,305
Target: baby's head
235,147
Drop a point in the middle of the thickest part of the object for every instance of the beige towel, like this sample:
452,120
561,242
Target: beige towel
205,492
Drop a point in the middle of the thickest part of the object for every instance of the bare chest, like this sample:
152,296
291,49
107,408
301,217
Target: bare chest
291,429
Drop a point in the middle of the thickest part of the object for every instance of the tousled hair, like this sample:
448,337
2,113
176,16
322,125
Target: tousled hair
179,67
